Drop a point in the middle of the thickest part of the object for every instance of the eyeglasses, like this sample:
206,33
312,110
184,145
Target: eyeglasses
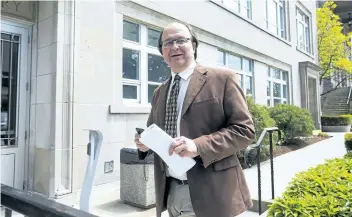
179,42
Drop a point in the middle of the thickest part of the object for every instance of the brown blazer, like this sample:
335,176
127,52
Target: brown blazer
215,115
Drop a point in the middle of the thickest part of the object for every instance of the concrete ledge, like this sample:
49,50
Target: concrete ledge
346,128
255,207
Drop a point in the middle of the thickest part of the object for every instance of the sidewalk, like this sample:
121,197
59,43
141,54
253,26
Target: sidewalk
287,165
107,204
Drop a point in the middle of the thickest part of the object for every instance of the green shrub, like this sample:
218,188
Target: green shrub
324,135
293,121
348,141
336,120
261,119
321,191
348,155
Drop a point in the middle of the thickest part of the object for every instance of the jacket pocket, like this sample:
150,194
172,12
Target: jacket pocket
206,101
226,163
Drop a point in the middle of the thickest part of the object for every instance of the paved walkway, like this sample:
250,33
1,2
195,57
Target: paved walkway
287,165
107,203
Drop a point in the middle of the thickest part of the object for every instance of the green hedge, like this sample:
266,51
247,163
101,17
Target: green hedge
341,120
348,141
261,119
292,120
321,191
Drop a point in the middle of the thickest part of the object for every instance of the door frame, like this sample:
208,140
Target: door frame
27,147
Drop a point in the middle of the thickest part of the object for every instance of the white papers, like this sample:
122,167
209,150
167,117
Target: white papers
159,141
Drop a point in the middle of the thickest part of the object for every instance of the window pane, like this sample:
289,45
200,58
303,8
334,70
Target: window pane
284,76
240,79
129,92
277,101
130,31
151,89
153,37
233,5
268,102
235,62
249,86
247,66
249,9
282,22
307,40
158,70
300,32
284,89
221,58
268,88
276,74
130,64
277,89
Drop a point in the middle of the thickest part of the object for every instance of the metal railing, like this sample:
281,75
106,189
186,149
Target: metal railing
256,147
31,204
35,205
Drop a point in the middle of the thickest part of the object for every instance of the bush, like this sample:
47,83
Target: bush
341,120
261,119
293,121
348,155
348,141
324,135
321,191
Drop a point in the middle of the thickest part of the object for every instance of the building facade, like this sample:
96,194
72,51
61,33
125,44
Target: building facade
70,66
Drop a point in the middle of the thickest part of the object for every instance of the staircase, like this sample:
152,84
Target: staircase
335,102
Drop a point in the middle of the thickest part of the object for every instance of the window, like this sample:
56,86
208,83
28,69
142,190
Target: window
303,31
243,7
277,87
143,67
243,67
276,17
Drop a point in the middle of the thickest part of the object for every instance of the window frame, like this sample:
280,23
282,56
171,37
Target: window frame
245,10
144,50
279,81
308,47
239,71
279,31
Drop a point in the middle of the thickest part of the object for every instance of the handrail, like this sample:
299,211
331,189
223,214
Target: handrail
257,146
33,205
349,95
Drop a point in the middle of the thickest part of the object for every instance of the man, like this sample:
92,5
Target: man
205,111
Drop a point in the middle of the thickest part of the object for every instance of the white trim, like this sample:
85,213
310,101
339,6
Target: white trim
277,25
144,50
307,45
281,82
240,71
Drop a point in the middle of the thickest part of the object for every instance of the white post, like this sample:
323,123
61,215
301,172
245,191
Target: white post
94,145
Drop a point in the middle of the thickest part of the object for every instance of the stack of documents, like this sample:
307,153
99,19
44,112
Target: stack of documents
159,141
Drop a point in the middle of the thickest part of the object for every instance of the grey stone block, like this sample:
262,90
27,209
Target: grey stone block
137,185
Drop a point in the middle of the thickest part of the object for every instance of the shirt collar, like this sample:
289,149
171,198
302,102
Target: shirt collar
186,73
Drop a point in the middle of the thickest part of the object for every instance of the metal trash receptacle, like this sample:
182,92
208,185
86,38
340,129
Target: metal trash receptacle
136,179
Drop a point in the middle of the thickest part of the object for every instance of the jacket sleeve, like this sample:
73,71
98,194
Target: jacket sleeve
150,121
238,131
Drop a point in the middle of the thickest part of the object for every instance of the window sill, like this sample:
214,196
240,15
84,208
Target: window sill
129,109
251,22
305,53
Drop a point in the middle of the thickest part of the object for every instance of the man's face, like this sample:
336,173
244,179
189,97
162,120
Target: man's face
177,47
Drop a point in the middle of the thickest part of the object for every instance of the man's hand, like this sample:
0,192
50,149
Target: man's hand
140,145
184,147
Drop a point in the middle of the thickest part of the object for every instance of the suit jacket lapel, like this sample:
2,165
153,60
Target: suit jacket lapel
196,83
161,109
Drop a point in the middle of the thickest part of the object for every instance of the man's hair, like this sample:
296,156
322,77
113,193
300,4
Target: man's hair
194,39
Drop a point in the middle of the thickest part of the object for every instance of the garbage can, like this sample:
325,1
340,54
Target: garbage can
137,179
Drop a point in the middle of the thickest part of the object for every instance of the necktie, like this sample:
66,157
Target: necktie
171,108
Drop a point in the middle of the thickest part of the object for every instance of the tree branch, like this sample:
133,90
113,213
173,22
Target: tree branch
336,86
326,70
